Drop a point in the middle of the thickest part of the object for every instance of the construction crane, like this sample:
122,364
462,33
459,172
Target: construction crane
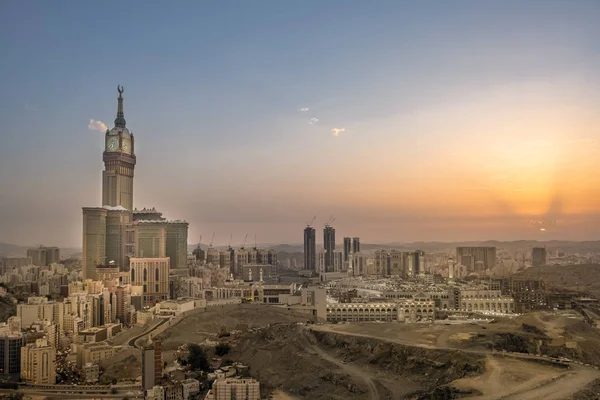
212,240
330,221
311,222
245,238
255,246
230,237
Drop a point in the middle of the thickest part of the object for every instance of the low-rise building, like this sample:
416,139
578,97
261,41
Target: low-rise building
94,352
190,387
91,372
176,307
234,389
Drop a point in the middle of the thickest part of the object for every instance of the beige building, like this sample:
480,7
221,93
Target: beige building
93,353
234,389
91,372
116,232
153,275
38,363
469,256
94,240
43,256
483,300
403,310
8,264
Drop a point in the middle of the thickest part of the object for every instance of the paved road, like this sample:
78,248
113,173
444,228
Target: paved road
64,394
134,339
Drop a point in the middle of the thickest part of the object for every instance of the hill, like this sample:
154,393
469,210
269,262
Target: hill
580,278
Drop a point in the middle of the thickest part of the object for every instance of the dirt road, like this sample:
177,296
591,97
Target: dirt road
510,376
352,370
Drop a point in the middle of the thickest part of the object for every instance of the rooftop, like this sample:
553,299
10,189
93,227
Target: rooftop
117,208
156,221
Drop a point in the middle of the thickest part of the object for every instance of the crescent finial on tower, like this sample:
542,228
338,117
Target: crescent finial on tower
120,120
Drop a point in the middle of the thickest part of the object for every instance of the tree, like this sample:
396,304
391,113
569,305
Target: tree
222,349
197,357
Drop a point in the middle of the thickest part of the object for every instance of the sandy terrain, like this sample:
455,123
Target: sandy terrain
506,377
202,324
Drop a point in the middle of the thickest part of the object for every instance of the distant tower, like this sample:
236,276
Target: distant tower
347,247
356,245
310,252
450,268
538,256
119,162
329,245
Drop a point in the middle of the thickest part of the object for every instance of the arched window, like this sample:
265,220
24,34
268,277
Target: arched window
156,274
145,274
132,275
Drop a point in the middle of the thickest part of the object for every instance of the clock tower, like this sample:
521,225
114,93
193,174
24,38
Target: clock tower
119,162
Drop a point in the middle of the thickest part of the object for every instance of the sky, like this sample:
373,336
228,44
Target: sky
407,121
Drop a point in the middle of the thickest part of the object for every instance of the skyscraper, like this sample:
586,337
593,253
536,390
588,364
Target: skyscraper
356,245
347,247
310,248
119,162
485,254
538,256
351,245
43,256
329,245
117,232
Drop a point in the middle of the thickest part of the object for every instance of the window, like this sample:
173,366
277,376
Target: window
145,274
156,275
132,275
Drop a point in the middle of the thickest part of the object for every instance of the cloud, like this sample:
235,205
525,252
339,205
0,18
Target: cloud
337,131
97,126
313,120
304,109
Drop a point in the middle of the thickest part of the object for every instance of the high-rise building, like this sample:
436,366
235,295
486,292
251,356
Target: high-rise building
538,256
329,247
356,245
38,363
43,256
151,364
347,247
310,248
119,162
116,231
477,253
381,262
11,341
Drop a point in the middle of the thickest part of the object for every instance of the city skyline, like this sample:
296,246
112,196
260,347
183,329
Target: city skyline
406,126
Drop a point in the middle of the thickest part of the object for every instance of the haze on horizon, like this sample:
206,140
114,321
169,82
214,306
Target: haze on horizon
435,121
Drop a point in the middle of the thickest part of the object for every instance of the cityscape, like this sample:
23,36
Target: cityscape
324,305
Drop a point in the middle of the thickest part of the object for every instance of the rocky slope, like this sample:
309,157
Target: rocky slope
323,365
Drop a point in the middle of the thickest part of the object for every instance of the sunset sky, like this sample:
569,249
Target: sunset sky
408,121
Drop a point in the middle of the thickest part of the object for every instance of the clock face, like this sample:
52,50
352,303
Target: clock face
113,144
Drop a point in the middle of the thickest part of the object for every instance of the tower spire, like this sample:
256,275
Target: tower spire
120,120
